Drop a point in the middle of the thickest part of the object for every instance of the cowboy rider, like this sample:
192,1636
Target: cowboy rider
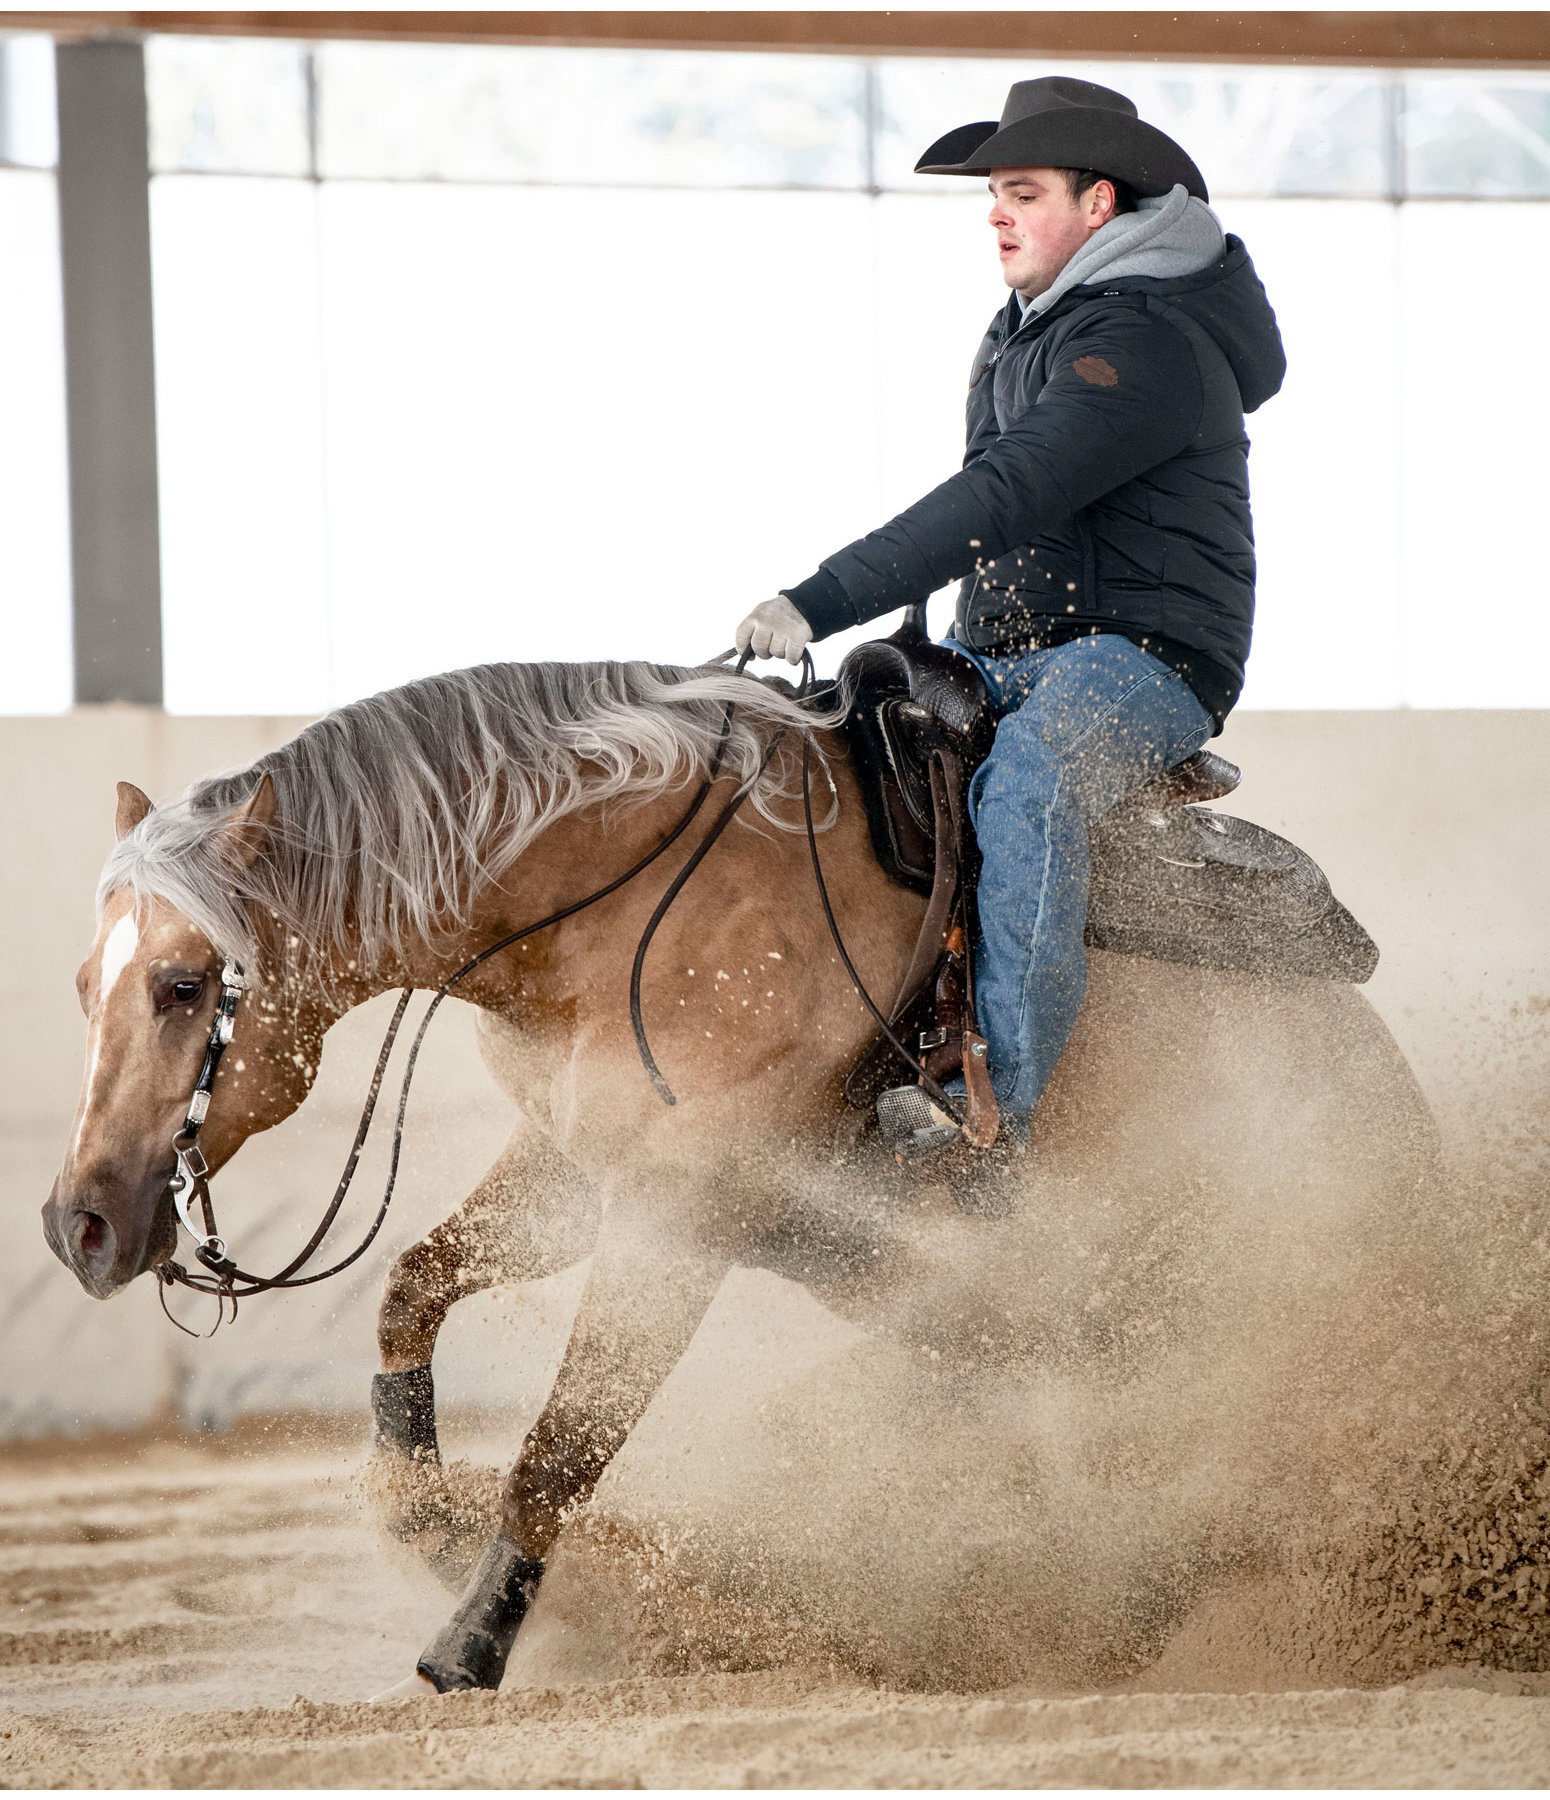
1099,529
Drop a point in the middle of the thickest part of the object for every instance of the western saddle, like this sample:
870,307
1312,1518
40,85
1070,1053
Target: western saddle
919,724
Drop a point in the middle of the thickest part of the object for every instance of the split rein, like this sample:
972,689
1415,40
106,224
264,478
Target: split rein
220,1276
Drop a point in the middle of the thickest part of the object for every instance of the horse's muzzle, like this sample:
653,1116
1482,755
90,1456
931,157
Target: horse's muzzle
101,1256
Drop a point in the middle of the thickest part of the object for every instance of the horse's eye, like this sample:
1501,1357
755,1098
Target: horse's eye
185,993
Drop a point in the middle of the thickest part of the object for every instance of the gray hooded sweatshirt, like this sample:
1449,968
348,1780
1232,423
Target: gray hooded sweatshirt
1171,235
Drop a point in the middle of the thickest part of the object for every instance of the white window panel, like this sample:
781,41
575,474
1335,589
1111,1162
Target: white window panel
35,661
938,286
615,117
239,425
29,124
1323,468
563,427
232,106
1263,131
1475,398
1482,135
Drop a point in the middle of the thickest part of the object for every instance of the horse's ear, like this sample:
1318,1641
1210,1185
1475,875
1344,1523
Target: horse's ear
133,805
247,830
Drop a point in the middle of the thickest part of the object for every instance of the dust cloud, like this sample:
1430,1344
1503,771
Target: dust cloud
1283,1439
1177,1482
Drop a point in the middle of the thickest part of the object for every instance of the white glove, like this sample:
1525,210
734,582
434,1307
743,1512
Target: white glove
775,628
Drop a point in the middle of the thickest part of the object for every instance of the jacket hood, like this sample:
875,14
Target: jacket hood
1216,284
1229,302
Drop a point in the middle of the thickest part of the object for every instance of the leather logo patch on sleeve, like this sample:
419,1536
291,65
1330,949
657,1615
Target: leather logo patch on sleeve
1096,372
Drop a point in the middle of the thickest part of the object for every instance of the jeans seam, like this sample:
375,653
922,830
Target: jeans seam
1114,706
1012,1074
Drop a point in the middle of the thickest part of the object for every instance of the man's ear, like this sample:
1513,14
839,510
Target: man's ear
246,832
133,805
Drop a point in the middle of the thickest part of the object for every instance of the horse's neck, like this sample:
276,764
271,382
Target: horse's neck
568,861
583,852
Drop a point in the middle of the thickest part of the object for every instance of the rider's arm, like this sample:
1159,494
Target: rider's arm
1124,396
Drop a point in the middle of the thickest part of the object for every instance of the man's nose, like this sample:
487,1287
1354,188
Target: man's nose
998,217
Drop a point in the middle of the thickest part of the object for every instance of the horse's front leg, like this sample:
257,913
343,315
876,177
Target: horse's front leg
645,1297
531,1215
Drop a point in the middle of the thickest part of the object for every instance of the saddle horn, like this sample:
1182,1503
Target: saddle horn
913,627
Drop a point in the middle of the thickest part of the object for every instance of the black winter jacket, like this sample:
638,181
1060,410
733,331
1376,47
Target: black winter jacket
1105,485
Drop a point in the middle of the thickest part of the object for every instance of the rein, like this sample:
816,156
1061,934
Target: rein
222,1277
190,1182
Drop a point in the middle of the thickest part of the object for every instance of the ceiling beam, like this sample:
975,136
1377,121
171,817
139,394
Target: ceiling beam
1410,39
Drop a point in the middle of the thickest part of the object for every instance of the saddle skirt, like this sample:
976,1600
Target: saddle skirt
1171,879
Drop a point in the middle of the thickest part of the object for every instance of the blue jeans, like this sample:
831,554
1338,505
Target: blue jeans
1080,727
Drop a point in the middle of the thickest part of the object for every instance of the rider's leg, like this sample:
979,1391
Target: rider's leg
1087,724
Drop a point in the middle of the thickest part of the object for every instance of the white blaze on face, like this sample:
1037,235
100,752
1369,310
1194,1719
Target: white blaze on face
117,954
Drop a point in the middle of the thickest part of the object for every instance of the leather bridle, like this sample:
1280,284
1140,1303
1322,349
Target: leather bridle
222,1277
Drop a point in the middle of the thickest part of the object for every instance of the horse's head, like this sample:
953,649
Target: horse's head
149,990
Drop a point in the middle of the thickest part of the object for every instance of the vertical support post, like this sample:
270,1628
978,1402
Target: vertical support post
1394,169
871,122
110,388
1396,176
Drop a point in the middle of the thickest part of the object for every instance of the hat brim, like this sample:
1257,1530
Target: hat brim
948,154
1115,144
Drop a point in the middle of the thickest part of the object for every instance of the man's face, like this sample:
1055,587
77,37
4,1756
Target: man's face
1039,227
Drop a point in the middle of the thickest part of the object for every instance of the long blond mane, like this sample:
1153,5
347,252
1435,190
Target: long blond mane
397,811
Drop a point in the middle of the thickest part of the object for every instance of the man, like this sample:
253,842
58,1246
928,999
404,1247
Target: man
1100,527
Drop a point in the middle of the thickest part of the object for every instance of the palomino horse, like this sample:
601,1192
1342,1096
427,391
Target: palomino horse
389,842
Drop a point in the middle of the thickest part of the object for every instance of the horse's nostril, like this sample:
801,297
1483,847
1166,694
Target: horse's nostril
94,1234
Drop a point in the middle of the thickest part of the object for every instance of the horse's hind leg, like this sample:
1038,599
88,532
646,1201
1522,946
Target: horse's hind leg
531,1215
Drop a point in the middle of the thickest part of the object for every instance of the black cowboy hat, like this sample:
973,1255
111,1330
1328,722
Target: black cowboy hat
1058,122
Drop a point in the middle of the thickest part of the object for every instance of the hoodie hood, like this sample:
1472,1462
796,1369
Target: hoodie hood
1172,235
1174,248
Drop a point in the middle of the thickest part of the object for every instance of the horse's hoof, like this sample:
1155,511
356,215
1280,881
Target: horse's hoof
412,1687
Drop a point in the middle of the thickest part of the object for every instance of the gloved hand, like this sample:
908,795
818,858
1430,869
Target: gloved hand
775,628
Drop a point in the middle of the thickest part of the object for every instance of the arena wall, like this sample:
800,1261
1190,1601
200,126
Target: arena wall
1433,826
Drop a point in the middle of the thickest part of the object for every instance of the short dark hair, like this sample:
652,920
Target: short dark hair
1078,181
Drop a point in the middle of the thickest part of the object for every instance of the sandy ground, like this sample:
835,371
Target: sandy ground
179,1611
